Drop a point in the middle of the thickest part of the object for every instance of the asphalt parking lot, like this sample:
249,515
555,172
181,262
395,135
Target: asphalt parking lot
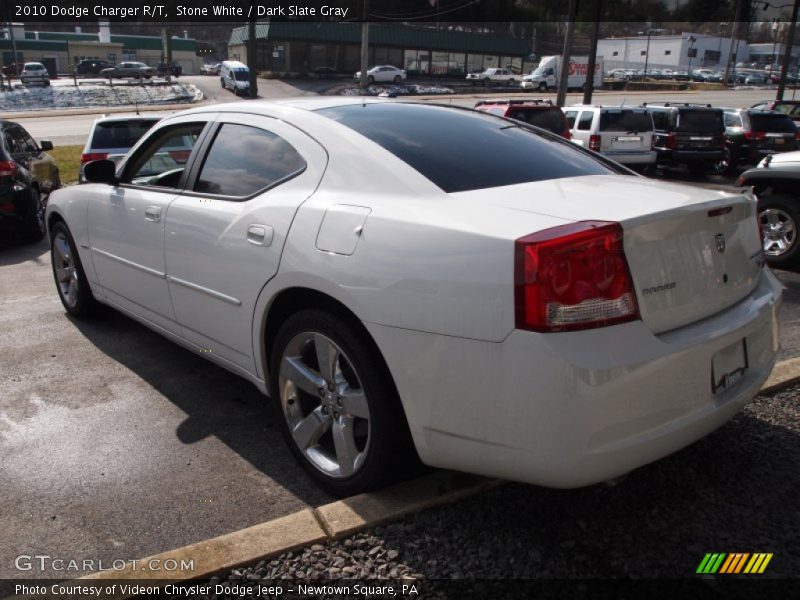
118,444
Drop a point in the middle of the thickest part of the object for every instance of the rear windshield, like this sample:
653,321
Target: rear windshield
119,134
625,120
778,123
551,119
701,120
460,150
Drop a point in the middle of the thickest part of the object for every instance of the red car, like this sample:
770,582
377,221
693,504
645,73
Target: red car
539,113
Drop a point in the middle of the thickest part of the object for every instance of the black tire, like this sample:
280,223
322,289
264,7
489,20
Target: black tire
510,82
650,170
542,87
397,79
780,218
222,82
388,451
728,164
33,227
83,304
370,80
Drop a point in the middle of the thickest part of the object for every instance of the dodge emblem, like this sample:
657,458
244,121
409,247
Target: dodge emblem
720,240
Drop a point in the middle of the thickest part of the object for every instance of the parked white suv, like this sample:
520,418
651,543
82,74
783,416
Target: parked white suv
623,134
34,72
495,75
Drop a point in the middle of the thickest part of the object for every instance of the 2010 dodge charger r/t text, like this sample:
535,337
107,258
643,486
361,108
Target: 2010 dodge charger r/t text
406,278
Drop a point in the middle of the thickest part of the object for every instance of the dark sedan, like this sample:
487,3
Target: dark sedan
129,69
27,175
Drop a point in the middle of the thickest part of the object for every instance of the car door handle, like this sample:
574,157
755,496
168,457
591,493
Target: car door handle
260,235
152,213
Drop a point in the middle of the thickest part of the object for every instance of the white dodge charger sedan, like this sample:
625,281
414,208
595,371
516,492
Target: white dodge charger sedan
411,280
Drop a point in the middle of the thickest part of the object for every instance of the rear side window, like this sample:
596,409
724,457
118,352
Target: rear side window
776,123
585,122
571,115
244,160
551,119
660,119
701,120
460,150
732,120
625,120
119,134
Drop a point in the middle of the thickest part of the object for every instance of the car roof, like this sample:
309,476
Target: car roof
105,119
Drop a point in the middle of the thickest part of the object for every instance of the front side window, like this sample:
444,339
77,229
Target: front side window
244,160
161,161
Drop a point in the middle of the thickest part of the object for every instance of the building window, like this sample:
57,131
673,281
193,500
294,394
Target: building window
616,53
667,52
644,52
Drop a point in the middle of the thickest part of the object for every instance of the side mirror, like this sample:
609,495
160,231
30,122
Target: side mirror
100,171
46,145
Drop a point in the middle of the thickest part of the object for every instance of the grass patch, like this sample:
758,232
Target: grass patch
68,159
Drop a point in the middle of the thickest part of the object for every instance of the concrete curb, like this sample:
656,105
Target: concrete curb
338,519
301,529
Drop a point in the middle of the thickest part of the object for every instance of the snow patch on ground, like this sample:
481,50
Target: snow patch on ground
397,90
50,98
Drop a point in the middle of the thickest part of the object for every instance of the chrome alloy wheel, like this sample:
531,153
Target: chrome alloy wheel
66,273
324,404
780,231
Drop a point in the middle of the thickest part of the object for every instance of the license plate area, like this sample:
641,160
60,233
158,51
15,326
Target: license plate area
728,366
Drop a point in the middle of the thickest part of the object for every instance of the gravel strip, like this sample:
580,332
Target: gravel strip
734,491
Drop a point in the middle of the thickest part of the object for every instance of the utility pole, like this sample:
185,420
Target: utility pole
563,74
252,45
734,31
364,46
589,86
787,52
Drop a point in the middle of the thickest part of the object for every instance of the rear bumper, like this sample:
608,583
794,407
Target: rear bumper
689,156
631,158
572,409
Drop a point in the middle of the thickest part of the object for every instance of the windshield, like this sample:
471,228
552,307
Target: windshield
460,150
241,75
550,119
119,134
701,120
625,120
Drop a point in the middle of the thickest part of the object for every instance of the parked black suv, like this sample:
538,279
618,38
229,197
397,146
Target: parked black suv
27,174
91,66
753,134
688,134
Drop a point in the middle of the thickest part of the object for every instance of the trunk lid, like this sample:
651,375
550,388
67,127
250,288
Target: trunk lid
692,252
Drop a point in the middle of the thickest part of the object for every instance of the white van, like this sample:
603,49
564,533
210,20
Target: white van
622,133
234,75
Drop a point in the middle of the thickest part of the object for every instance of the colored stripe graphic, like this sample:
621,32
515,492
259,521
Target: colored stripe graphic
734,563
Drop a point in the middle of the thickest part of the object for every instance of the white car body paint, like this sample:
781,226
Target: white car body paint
431,276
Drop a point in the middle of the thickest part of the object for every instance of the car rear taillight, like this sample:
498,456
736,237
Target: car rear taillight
594,142
672,141
755,135
90,156
179,156
7,168
797,136
7,207
566,134
573,277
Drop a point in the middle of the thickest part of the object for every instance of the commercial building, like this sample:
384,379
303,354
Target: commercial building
57,50
305,46
670,51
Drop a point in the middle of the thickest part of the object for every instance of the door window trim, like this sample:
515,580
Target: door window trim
207,125
202,155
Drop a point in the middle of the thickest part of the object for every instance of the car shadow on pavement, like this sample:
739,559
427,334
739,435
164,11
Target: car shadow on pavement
13,253
733,491
215,402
